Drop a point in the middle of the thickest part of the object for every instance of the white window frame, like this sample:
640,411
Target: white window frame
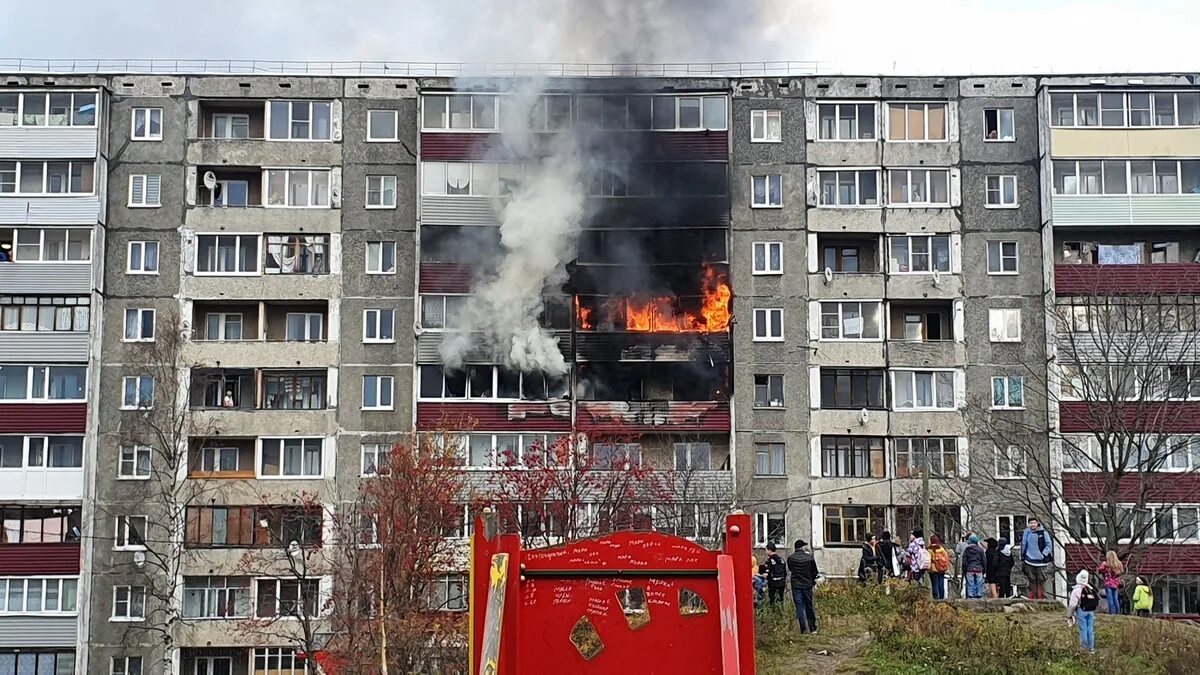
767,447
314,195
130,593
395,126
841,325
891,239
140,335
999,322
767,180
308,335
384,247
137,384
223,323
229,119
444,115
859,203
278,582
212,459
69,117
128,464
291,104
1126,110
933,389
1007,382
219,198
988,191
141,246
20,166
375,451
42,252
44,385
1012,119
123,527
280,442
381,384
216,594
768,313
1001,257
762,526
375,317
444,300
148,114
41,594
769,405
887,121
908,201
239,239
382,189
837,116
766,247
1008,468
150,185
124,665
764,116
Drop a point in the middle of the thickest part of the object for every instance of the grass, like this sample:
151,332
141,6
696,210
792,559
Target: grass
897,630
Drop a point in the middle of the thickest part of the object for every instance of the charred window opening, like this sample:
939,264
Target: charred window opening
652,382
652,247
464,245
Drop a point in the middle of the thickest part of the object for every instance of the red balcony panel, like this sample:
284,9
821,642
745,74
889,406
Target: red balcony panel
653,416
656,146
495,416
457,146
50,418
689,145
445,278
1165,417
1164,487
1156,559
38,559
1126,279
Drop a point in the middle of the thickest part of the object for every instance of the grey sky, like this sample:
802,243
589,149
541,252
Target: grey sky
950,36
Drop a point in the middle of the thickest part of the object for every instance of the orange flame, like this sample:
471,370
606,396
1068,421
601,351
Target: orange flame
660,314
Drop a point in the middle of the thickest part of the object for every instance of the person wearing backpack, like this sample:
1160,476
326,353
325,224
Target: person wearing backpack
939,565
1143,598
1081,611
1037,558
776,573
918,557
974,562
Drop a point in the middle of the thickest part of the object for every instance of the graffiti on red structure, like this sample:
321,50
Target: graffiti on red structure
521,411
646,413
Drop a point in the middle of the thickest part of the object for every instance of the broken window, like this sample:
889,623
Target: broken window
690,603
586,639
633,604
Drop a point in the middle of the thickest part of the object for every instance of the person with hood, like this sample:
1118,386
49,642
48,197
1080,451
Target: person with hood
974,564
888,555
1111,570
918,557
1037,558
1081,610
871,563
939,565
958,552
1143,598
803,568
775,570
1004,566
992,548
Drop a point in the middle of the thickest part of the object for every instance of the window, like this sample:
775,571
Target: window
919,254
231,126
852,457
216,598
126,665
381,257
768,257
1008,391
144,190
768,391
1010,462
221,460
39,524
41,109
767,191
1125,177
139,392
294,391
919,187
134,462
297,254
298,188
769,528
143,258
769,459
447,593
279,661
244,526
916,122
377,392
288,597
42,383
298,120
45,313
851,525
841,258
859,187
852,388
998,124
227,253
129,603
693,456
1000,192
290,458
913,455
139,325
1004,325
222,326
850,320
924,389
1144,109
131,533
379,325
1002,257
375,457
381,192
230,193
766,126
44,178
304,327
846,121
381,125
147,124
31,595
768,325
471,112
51,245
41,452
442,311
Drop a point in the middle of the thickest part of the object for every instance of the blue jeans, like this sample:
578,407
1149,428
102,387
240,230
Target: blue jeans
805,614
974,584
1087,629
1114,600
939,585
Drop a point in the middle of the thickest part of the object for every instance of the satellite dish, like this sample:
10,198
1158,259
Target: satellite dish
139,559
937,278
864,417
210,180
828,275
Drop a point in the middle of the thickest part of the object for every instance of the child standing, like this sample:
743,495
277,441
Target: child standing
1143,598
1112,569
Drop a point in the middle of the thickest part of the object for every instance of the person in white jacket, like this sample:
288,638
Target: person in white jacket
1081,611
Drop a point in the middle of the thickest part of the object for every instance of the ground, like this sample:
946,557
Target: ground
897,631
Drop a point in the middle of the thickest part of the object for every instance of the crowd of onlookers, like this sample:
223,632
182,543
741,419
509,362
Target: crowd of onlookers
984,567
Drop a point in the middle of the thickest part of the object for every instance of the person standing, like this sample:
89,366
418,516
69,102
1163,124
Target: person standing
958,552
803,568
992,548
939,564
1081,611
1037,558
1004,567
888,555
1143,598
918,557
974,563
1111,570
871,564
776,572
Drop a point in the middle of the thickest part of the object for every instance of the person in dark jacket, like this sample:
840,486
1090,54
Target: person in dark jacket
1004,567
871,564
776,570
974,564
803,568
887,555
992,549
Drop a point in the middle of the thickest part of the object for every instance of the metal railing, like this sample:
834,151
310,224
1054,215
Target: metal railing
408,68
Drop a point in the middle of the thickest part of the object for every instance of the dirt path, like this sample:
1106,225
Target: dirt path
838,656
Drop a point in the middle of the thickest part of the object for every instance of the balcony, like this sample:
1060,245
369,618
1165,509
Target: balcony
251,334
1164,278
653,416
234,132
245,389
221,458
1130,142
282,266
1139,210
42,484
